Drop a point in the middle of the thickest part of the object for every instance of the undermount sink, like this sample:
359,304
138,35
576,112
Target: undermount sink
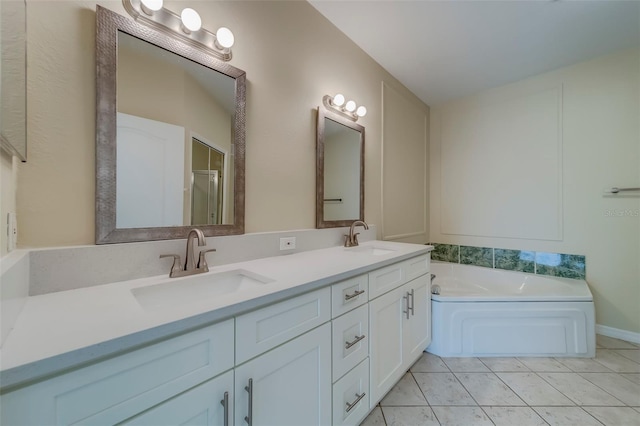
195,288
370,250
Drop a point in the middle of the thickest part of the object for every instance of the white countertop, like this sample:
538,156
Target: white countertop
61,330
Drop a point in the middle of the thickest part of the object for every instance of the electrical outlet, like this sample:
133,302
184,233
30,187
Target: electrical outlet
287,243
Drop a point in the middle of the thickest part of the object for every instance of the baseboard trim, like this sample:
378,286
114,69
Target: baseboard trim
617,333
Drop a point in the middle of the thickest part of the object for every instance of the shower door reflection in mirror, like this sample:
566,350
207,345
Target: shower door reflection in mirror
209,187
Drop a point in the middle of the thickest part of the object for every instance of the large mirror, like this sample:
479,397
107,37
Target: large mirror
339,170
169,136
13,78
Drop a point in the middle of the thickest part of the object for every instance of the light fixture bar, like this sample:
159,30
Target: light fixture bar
166,21
340,107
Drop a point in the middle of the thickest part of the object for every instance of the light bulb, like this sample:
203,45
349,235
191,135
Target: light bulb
150,6
190,20
338,100
350,106
224,37
361,111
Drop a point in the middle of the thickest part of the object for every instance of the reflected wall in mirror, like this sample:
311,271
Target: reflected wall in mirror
13,78
339,171
170,137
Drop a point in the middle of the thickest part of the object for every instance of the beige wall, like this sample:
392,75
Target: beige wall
405,181
600,149
292,55
8,178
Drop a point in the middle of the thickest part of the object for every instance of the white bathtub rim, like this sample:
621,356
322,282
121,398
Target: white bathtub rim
575,289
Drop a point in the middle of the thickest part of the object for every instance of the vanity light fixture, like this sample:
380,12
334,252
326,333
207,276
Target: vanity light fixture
224,38
150,6
186,27
191,20
349,110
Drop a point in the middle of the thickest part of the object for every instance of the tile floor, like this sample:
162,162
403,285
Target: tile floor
604,390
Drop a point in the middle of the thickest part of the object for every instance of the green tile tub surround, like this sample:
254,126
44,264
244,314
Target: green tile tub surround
561,265
445,252
477,256
515,260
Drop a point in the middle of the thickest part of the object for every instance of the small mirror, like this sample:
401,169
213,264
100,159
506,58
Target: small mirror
339,170
13,72
170,136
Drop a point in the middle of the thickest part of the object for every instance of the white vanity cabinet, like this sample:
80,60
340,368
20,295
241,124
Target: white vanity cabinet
288,384
349,294
400,326
122,387
323,357
351,396
350,351
210,404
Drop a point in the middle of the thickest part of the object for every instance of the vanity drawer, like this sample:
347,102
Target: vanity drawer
112,391
417,266
264,329
350,340
386,279
351,396
349,294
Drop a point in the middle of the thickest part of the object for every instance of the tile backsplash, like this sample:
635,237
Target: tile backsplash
446,253
479,256
553,264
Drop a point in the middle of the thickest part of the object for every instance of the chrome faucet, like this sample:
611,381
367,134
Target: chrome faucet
351,240
190,261
190,265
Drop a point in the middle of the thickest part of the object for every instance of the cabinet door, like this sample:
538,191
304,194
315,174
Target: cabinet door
386,318
289,385
418,327
203,405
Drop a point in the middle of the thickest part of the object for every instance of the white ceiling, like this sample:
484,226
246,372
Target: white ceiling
442,50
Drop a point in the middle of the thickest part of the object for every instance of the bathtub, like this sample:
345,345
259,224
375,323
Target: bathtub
492,313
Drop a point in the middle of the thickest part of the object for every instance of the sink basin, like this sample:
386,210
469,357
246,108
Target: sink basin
370,250
196,288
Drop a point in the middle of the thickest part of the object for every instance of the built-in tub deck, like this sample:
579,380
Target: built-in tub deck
490,312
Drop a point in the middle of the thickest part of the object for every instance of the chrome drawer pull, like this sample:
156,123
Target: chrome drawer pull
354,403
225,404
249,417
413,301
349,344
351,296
408,311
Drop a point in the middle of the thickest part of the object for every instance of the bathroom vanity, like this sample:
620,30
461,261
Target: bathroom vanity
317,337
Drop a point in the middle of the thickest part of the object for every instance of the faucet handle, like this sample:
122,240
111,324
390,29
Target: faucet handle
202,260
176,267
351,240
